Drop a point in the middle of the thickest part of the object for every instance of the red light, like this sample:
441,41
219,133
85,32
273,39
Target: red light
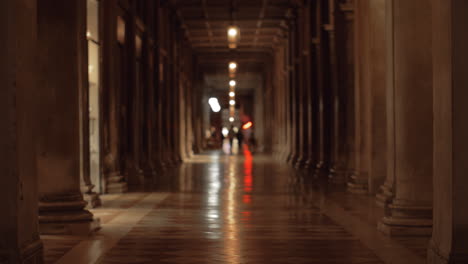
247,125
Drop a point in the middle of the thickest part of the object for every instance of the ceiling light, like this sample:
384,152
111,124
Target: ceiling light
232,83
232,94
232,102
232,66
233,34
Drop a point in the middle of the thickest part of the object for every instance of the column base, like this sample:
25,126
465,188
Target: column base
149,172
31,253
337,176
178,159
116,184
196,149
84,228
168,161
294,159
384,198
309,165
283,156
65,215
435,256
357,185
159,167
301,162
134,175
405,227
320,170
407,221
93,199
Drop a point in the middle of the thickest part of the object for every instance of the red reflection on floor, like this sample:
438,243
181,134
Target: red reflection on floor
246,216
248,180
247,199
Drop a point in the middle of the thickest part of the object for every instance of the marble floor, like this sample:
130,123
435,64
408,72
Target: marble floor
219,208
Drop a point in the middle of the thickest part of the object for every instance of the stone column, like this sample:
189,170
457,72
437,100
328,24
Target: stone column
189,138
321,93
314,72
150,112
166,112
410,211
283,94
159,79
19,239
346,73
299,77
133,170
304,84
387,190
307,72
344,103
182,108
358,181
178,96
449,243
112,169
336,143
378,94
197,111
61,42
293,99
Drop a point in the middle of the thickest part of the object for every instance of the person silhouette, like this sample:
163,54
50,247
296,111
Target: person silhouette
231,136
240,138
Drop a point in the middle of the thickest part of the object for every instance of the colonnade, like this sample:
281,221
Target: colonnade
146,111
367,94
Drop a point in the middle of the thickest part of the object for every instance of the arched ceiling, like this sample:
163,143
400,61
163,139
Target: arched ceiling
262,22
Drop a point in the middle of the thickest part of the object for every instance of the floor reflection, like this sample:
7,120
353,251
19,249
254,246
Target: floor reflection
240,208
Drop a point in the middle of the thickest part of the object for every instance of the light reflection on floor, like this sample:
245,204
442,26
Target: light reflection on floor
238,209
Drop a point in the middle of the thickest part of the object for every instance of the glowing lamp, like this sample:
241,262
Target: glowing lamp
233,35
232,32
225,131
247,125
232,83
232,94
232,69
232,66
232,102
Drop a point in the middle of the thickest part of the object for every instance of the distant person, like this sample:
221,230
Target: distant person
231,136
240,138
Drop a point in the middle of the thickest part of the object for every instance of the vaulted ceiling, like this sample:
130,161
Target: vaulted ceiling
262,22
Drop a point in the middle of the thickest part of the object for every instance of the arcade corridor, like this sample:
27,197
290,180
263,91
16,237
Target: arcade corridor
233,131
220,208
